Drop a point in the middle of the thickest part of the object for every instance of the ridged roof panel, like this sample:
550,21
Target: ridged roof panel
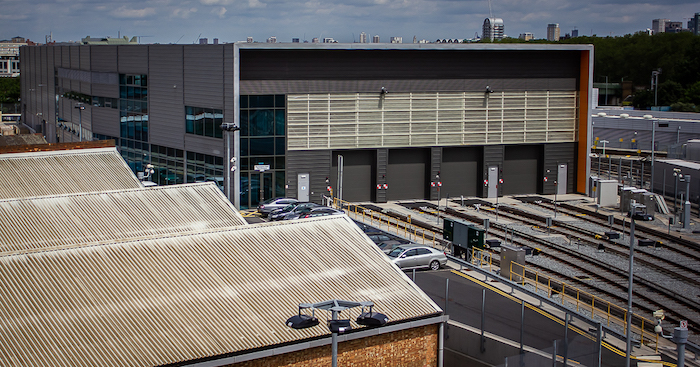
191,296
41,223
63,172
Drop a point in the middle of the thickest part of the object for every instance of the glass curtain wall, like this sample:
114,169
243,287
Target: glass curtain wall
133,115
262,145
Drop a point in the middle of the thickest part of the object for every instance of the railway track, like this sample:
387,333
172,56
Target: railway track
598,277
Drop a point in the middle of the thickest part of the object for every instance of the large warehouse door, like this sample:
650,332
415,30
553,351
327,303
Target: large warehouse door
407,174
520,169
460,171
358,174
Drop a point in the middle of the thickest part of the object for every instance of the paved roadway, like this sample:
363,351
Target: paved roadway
503,316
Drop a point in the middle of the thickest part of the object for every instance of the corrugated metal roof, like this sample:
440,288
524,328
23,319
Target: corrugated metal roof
64,172
36,224
191,296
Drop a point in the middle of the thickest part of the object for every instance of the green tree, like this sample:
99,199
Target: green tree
9,90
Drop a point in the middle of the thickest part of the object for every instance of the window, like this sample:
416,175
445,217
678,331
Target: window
423,251
203,121
410,253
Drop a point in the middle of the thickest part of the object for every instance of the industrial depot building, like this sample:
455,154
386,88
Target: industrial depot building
490,119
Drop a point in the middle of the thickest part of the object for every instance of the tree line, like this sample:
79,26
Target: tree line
634,57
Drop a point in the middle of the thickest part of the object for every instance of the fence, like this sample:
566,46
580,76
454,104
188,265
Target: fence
390,224
584,301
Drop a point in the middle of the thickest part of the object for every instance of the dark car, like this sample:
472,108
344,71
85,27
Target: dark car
270,205
294,208
320,212
379,237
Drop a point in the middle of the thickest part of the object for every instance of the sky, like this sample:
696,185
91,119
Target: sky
185,21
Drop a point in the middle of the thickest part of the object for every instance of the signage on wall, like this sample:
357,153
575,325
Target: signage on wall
262,167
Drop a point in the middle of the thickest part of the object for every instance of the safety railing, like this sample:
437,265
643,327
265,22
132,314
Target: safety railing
482,258
388,223
597,306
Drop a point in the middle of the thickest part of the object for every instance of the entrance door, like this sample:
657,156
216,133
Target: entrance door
303,187
561,179
493,182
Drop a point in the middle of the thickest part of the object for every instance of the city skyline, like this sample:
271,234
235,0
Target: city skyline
185,21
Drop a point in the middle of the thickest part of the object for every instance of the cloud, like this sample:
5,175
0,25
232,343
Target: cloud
220,12
256,4
183,13
216,2
125,13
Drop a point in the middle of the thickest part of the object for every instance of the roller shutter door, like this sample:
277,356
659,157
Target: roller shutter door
521,169
407,174
460,171
358,174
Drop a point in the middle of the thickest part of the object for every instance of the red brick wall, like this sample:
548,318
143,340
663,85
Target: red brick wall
411,347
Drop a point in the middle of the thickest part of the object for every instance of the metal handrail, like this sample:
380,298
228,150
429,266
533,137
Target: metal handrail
573,294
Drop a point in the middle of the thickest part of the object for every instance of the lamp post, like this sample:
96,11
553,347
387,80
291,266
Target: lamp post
653,147
677,175
636,213
80,108
655,84
335,325
231,187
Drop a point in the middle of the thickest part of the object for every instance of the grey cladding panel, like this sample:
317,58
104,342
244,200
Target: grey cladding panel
105,90
297,86
105,121
165,94
228,85
85,58
250,87
133,59
555,154
493,156
203,144
407,64
65,56
104,58
74,57
204,75
316,163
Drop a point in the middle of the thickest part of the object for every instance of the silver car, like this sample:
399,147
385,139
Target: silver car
417,256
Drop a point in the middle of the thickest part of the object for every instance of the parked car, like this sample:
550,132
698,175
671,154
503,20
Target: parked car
388,246
281,214
219,181
301,211
417,256
320,212
269,205
379,237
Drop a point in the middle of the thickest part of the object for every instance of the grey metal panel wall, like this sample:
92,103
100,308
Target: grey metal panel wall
203,144
316,163
493,156
204,76
406,85
358,174
104,58
435,168
85,58
165,90
461,171
407,64
74,57
105,90
382,174
133,59
407,174
104,121
65,56
553,155
521,169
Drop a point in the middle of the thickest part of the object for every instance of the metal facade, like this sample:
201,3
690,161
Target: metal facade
192,297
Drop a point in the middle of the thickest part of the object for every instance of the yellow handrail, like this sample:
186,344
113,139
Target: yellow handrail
612,309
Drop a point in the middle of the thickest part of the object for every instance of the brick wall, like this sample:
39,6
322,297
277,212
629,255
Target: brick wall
411,347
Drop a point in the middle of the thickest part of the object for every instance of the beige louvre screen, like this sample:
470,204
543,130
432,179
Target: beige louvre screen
371,120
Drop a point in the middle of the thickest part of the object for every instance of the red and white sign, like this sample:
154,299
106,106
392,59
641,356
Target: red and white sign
545,179
439,184
379,186
386,186
486,182
500,180
432,184
684,324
